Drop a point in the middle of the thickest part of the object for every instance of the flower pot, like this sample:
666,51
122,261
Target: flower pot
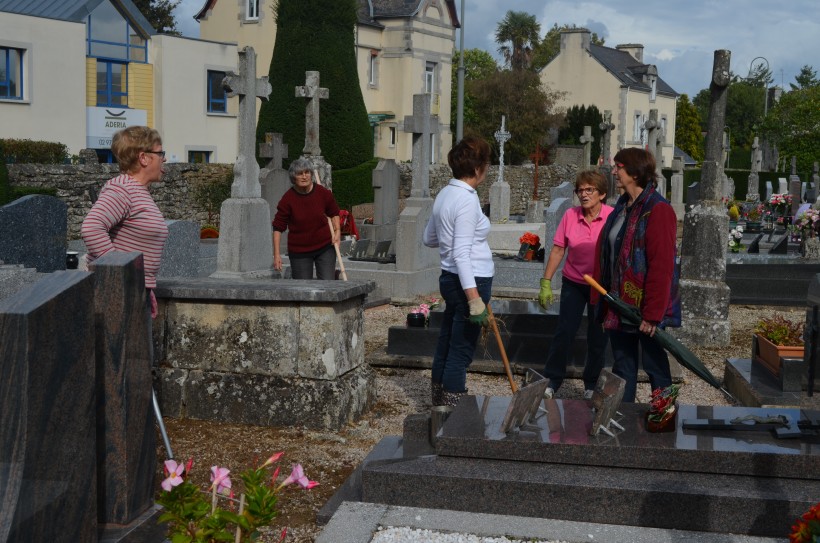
72,261
769,354
529,255
666,424
416,320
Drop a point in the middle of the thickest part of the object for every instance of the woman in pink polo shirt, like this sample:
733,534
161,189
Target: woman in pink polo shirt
576,236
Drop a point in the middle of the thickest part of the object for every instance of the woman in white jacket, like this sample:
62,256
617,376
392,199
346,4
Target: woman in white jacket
459,229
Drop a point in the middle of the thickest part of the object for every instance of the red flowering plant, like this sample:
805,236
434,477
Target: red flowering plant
779,203
662,404
424,308
530,239
194,515
807,528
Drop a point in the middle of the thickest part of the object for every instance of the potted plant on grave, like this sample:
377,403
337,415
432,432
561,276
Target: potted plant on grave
530,243
735,239
753,215
209,231
807,528
777,337
663,409
419,316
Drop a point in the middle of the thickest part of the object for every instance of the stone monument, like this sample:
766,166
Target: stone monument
606,152
752,191
274,179
587,140
411,254
677,188
704,292
311,151
500,190
245,239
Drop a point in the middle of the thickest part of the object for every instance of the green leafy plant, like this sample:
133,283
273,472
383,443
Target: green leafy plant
209,195
780,330
194,515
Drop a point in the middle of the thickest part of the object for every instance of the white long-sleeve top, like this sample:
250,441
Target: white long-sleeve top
459,229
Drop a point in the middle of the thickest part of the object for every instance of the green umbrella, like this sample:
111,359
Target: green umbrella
632,315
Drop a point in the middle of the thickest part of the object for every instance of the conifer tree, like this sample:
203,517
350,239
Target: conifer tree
317,35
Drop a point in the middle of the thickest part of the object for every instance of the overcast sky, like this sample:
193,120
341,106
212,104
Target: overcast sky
680,38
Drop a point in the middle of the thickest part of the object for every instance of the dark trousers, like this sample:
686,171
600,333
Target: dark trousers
301,264
458,336
655,362
574,298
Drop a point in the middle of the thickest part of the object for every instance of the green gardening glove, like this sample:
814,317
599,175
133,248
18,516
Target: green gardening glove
478,312
545,295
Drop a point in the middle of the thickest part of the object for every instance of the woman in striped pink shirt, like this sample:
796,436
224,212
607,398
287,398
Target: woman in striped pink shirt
125,217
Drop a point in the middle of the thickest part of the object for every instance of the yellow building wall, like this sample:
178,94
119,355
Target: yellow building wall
90,82
141,89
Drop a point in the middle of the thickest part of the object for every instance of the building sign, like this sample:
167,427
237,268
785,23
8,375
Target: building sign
103,122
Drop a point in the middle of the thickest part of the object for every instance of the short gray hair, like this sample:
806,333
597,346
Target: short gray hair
298,166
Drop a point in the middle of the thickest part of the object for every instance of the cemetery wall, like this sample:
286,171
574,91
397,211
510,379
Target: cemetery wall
174,194
520,179
72,181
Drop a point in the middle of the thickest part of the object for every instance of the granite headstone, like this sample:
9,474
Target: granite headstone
39,226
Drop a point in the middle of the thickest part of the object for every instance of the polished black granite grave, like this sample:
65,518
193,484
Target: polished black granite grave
525,328
126,440
47,437
739,482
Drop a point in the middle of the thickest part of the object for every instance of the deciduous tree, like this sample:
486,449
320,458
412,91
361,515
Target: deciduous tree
478,64
793,124
688,133
805,79
160,13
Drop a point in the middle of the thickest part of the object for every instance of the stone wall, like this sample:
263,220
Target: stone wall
520,179
173,194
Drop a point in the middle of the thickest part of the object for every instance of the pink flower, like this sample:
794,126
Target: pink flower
174,472
220,479
274,458
274,476
297,475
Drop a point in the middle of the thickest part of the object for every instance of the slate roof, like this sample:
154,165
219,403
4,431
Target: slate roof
397,8
74,10
628,70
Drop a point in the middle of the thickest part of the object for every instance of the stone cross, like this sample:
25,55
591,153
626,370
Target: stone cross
424,127
248,87
313,92
502,137
753,184
587,140
653,128
275,149
606,168
537,157
705,230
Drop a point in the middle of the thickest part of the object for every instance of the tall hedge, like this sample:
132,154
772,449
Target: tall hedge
317,35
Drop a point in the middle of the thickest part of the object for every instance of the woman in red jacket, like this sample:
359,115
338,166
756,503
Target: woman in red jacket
636,260
303,211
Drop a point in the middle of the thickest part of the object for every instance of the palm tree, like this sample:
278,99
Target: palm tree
517,35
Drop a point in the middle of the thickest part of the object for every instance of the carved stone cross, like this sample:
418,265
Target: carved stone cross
606,130
587,140
423,126
652,127
313,92
246,85
756,156
275,149
502,137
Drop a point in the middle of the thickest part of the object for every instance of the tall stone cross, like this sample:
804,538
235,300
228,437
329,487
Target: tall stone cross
587,140
313,92
757,156
652,127
424,127
246,85
606,152
537,157
502,137
275,149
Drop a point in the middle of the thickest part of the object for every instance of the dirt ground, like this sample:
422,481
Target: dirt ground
330,457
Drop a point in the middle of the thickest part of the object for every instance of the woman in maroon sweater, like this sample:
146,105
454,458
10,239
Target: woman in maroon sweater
303,211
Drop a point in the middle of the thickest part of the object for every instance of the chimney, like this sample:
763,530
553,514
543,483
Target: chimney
634,49
573,38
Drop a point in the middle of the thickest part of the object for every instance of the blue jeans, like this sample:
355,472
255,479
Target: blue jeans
653,358
458,336
574,298
301,264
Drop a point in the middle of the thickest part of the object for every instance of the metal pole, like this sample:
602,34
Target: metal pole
460,102
158,415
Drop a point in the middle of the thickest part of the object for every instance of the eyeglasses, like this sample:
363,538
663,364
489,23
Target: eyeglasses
587,190
161,154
